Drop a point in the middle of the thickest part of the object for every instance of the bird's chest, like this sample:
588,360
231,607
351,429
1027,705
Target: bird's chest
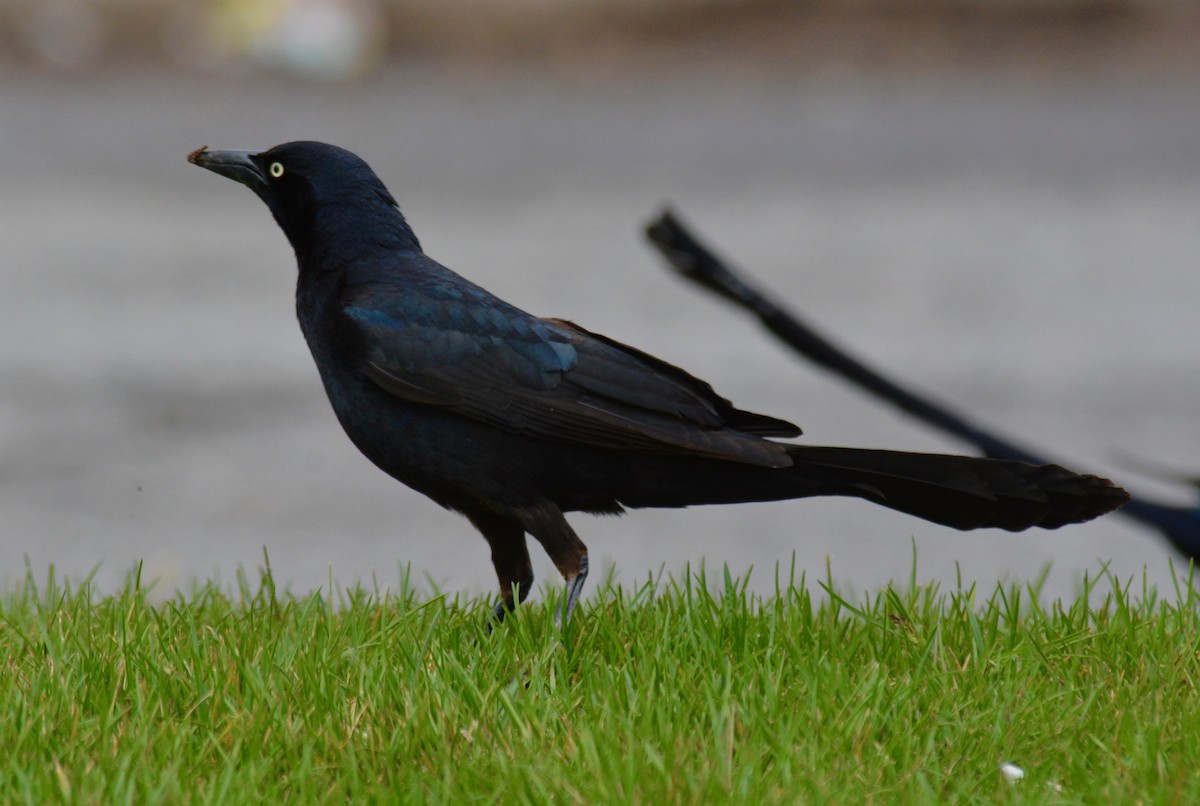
431,448
404,440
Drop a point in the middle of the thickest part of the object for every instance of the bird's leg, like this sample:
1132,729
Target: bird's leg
548,526
510,558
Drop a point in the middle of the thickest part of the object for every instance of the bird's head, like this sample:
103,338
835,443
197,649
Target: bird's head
316,191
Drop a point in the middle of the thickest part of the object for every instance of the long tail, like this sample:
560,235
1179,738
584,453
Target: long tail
961,491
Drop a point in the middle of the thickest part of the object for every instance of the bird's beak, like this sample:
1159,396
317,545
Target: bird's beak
236,165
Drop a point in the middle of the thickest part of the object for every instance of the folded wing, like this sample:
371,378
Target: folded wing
547,378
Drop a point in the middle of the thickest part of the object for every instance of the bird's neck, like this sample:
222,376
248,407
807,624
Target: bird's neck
340,236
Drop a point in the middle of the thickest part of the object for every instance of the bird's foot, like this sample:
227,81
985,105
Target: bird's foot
574,589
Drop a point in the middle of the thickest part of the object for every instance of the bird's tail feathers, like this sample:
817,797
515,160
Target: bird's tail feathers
961,491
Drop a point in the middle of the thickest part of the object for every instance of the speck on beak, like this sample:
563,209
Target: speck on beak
236,165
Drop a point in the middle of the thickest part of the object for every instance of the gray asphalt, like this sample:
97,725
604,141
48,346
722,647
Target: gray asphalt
1024,247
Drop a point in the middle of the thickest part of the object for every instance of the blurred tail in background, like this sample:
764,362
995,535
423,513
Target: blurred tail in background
687,255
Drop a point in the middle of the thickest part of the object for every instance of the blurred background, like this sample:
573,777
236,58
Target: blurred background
996,200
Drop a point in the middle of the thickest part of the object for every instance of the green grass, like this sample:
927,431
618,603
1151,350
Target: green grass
663,694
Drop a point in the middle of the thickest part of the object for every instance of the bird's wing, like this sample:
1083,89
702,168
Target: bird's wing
463,349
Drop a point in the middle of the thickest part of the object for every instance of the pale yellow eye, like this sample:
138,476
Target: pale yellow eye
276,169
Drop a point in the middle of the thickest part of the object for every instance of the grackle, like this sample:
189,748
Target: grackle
513,420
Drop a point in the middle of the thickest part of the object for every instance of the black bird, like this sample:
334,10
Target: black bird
513,420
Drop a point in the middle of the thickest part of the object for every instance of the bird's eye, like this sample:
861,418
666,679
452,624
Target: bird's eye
276,169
